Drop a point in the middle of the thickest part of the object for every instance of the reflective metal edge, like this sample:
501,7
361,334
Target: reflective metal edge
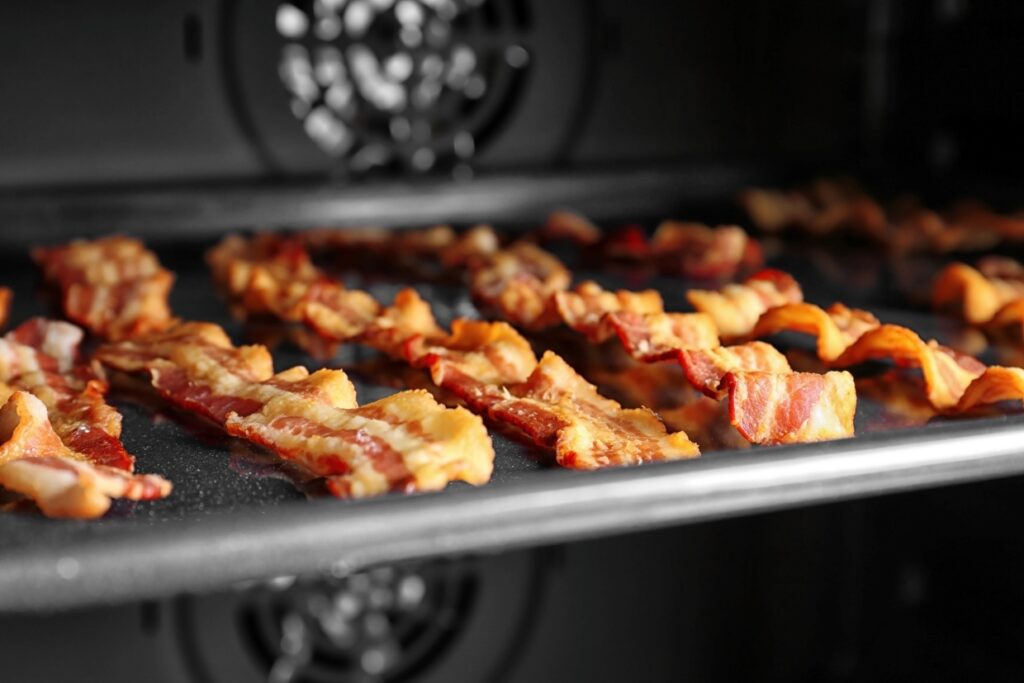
323,536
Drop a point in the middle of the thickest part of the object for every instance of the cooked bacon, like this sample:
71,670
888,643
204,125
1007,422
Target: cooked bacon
836,327
994,385
272,275
660,336
736,308
408,317
113,286
705,368
946,372
569,225
470,248
405,442
586,308
520,282
978,296
61,481
492,353
697,251
823,207
798,407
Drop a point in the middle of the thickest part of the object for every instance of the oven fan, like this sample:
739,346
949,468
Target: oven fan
381,625
430,621
410,82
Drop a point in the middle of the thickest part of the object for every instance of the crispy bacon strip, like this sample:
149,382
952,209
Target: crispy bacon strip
112,286
554,406
660,336
773,408
61,481
520,282
587,308
406,442
821,208
706,368
836,327
994,385
978,296
736,308
946,372
6,297
272,275
697,251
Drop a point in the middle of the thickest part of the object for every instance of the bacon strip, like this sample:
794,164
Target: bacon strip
406,442
61,481
520,282
660,336
823,207
113,286
736,308
836,327
586,309
772,408
994,385
706,368
979,296
946,372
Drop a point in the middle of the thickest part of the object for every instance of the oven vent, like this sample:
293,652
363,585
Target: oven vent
410,82
386,624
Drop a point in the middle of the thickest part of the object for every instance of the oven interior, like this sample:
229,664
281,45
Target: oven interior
179,121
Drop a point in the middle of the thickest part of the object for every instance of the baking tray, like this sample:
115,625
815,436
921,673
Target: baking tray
238,515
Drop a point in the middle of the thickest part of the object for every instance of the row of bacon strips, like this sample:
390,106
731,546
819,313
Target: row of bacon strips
489,365
768,402
829,205
404,442
530,287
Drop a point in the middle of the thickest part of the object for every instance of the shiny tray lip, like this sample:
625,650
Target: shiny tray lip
130,561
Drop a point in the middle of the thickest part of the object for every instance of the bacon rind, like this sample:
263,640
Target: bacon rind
798,407
736,308
946,372
112,286
706,368
62,482
835,328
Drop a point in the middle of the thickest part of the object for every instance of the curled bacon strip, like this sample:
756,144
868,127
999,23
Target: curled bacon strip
405,442
836,327
113,286
946,372
61,481
736,308
821,208
979,295
994,385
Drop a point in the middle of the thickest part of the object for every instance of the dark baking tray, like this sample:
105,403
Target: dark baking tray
237,514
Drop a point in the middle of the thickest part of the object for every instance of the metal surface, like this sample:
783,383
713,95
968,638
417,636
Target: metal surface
237,514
